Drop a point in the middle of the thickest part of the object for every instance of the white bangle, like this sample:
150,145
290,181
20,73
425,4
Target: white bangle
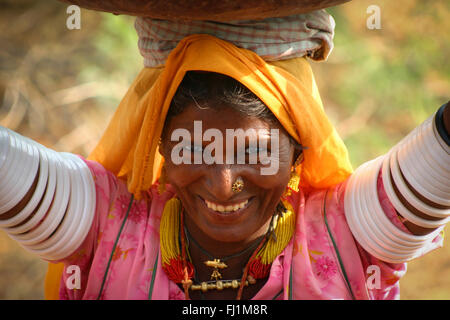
431,143
370,226
379,218
398,205
88,211
428,164
31,206
57,209
8,163
438,137
80,228
20,177
371,210
435,150
72,216
60,212
4,147
409,195
360,233
421,181
11,225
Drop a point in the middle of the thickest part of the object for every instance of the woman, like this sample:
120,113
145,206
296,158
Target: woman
223,229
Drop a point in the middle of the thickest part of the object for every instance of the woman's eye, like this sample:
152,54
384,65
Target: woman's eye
193,148
253,150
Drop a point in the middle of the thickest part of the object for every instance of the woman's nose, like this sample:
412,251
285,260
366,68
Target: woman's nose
220,181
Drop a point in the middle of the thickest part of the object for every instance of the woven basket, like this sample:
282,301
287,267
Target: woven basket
215,10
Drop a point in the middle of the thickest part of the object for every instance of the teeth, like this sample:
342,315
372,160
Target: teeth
220,208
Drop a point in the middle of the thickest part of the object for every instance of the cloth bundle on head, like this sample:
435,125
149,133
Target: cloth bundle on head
129,145
272,39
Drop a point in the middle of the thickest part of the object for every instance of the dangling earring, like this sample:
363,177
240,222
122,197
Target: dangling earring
294,179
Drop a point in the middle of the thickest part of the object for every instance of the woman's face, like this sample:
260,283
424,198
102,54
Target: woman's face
205,190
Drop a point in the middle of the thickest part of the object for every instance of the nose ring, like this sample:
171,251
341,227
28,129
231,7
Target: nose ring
238,185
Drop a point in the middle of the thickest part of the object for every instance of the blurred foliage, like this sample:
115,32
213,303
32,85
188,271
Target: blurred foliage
61,86
381,83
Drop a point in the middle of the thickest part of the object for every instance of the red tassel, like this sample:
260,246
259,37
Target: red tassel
257,269
175,270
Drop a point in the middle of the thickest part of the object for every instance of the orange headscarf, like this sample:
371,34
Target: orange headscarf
129,147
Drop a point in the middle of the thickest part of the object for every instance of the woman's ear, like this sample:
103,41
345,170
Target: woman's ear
161,148
298,154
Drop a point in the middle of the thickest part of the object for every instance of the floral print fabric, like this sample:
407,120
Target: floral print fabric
322,260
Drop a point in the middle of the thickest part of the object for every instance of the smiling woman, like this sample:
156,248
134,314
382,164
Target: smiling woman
219,219
164,229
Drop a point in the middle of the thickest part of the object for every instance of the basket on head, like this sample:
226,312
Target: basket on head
213,10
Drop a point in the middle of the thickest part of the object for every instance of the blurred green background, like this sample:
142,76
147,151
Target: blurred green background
61,86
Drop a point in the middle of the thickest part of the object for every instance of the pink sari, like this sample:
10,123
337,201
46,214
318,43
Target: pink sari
322,261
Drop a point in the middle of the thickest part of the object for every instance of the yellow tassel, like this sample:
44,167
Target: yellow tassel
284,230
169,231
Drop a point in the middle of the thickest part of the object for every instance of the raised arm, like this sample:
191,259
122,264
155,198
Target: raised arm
47,199
415,176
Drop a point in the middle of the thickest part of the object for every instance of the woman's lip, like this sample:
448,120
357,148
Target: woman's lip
223,208
227,216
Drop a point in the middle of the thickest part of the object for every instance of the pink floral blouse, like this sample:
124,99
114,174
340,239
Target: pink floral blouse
322,261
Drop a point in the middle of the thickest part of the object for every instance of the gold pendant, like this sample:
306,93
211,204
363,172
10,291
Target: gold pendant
216,264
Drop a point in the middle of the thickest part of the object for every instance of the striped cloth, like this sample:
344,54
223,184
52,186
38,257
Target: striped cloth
309,34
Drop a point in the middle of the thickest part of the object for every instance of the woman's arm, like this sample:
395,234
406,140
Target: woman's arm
47,199
416,180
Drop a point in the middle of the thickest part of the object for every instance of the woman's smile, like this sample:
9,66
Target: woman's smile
226,208
229,212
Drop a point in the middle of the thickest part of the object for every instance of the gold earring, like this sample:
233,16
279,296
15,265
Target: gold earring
238,185
294,179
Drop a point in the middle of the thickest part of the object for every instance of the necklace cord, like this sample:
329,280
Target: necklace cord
224,259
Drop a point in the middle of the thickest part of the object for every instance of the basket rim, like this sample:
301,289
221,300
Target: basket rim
206,9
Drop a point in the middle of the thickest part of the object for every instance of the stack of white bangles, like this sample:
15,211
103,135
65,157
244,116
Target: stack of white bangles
418,165
55,220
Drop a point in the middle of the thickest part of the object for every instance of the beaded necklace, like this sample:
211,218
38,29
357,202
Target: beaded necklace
177,263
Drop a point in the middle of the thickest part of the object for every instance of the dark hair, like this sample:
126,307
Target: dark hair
206,89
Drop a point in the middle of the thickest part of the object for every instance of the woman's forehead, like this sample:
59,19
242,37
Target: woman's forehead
221,117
